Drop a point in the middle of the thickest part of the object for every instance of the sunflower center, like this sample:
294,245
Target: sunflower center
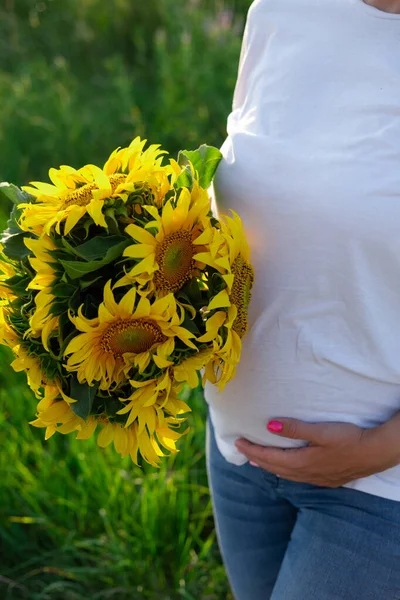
131,335
174,256
116,180
83,195
241,293
102,419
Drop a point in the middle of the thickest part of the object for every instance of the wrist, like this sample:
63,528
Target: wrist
384,441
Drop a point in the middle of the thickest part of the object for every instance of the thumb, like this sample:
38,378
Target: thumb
298,430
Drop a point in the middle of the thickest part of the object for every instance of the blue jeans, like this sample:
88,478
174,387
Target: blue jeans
282,540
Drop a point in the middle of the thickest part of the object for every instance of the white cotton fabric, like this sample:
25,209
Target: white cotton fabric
312,165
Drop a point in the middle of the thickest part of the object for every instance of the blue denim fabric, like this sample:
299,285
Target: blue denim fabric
282,540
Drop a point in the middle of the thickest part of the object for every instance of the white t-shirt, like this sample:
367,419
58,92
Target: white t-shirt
312,165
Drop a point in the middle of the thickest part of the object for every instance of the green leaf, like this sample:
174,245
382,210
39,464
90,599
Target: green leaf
192,291
14,246
95,248
75,301
58,307
85,284
62,290
14,194
18,284
84,394
13,237
190,325
185,179
63,243
98,246
112,223
205,161
77,269
12,225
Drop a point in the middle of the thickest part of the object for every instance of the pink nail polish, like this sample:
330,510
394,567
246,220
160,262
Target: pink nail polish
275,426
253,464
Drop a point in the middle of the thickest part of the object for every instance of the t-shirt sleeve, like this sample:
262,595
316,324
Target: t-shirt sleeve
237,95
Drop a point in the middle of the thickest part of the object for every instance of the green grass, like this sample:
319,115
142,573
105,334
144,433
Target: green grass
78,522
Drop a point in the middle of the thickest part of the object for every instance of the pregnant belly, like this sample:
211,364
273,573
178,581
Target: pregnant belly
287,376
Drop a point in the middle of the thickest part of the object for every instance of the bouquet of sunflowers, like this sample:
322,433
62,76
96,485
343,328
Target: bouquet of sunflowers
118,286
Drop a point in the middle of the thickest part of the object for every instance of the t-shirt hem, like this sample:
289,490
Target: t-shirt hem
369,485
373,485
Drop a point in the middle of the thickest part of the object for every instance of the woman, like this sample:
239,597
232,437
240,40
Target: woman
310,508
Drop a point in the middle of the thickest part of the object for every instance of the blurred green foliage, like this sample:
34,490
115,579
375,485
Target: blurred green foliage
78,78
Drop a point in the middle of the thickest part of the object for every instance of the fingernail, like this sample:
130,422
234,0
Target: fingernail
253,464
275,426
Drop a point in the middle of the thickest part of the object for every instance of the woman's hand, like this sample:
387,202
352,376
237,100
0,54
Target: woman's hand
337,452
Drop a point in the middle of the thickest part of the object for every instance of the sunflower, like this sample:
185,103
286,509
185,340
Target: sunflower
55,415
175,170
224,354
23,361
7,271
232,259
135,159
74,193
225,328
30,365
54,412
42,322
146,180
41,262
125,334
130,441
149,401
221,367
8,337
167,258
187,371
241,280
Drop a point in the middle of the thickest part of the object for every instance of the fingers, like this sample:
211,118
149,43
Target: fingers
317,433
275,459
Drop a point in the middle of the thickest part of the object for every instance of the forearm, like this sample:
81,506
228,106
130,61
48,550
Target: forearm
385,439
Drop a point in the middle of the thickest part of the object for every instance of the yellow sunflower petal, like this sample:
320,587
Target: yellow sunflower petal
106,435
221,300
74,214
212,326
77,343
141,235
147,265
143,308
127,303
100,179
161,362
204,238
229,279
109,299
138,250
42,189
223,262
94,208
147,450
207,259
